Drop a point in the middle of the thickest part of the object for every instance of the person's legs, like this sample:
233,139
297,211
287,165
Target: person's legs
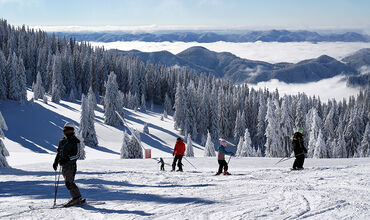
296,163
301,161
179,163
226,167
174,162
220,166
69,173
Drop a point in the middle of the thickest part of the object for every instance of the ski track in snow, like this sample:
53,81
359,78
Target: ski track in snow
136,189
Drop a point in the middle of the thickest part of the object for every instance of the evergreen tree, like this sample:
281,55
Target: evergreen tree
239,125
209,149
146,128
134,147
13,88
87,126
143,103
272,132
3,74
111,102
363,150
38,89
82,145
57,88
3,151
316,125
189,147
124,148
320,147
247,148
167,104
239,147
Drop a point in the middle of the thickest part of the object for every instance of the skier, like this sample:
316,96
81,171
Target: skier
67,155
299,149
221,158
162,163
178,152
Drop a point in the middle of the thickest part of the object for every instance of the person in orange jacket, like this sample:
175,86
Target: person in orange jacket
178,152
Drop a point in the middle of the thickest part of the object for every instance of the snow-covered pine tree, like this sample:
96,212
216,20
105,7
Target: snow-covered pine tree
22,81
92,98
189,147
3,151
352,132
316,124
209,149
203,140
146,128
167,104
82,145
72,97
3,75
143,103
57,88
112,102
38,89
286,126
13,89
320,147
239,125
134,147
87,127
165,114
247,148
124,148
363,150
272,131
239,147
179,115
45,99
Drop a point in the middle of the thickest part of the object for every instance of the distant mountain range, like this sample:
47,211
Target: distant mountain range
227,65
208,37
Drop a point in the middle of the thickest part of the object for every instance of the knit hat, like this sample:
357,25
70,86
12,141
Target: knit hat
300,130
69,126
223,143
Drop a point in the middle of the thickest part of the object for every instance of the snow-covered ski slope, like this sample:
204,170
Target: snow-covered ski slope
136,189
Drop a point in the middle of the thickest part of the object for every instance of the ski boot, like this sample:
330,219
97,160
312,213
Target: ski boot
218,173
227,173
73,202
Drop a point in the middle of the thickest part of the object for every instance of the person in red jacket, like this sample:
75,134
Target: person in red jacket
178,152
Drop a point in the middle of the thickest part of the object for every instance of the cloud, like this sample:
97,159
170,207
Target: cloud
333,88
272,52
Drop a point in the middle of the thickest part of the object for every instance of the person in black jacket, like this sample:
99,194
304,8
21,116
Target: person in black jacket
67,155
299,150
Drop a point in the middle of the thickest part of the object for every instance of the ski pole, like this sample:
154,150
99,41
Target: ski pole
288,158
229,160
189,162
56,185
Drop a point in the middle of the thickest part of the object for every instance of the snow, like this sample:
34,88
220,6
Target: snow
136,189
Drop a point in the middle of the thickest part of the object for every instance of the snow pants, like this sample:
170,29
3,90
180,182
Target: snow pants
179,163
69,173
298,163
222,165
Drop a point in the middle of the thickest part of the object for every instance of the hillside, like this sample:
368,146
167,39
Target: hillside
136,189
227,65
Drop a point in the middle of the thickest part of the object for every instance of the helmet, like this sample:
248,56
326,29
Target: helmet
300,130
69,126
223,142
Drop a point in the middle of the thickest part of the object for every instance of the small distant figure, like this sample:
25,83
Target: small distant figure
178,152
299,149
162,163
221,158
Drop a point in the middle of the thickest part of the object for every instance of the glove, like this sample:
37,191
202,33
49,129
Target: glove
305,151
55,166
232,154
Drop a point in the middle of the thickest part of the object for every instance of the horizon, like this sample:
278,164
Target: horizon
177,15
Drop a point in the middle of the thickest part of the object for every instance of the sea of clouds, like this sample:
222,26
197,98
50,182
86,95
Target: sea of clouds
272,52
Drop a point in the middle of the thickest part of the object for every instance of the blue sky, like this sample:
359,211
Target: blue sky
253,14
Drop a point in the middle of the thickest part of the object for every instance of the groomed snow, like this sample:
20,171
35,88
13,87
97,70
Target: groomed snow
136,189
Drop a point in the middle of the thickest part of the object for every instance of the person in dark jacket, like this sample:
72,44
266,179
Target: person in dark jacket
178,152
299,149
67,155
221,158
161,161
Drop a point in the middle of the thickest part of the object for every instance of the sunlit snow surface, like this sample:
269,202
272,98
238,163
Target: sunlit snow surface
136,189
